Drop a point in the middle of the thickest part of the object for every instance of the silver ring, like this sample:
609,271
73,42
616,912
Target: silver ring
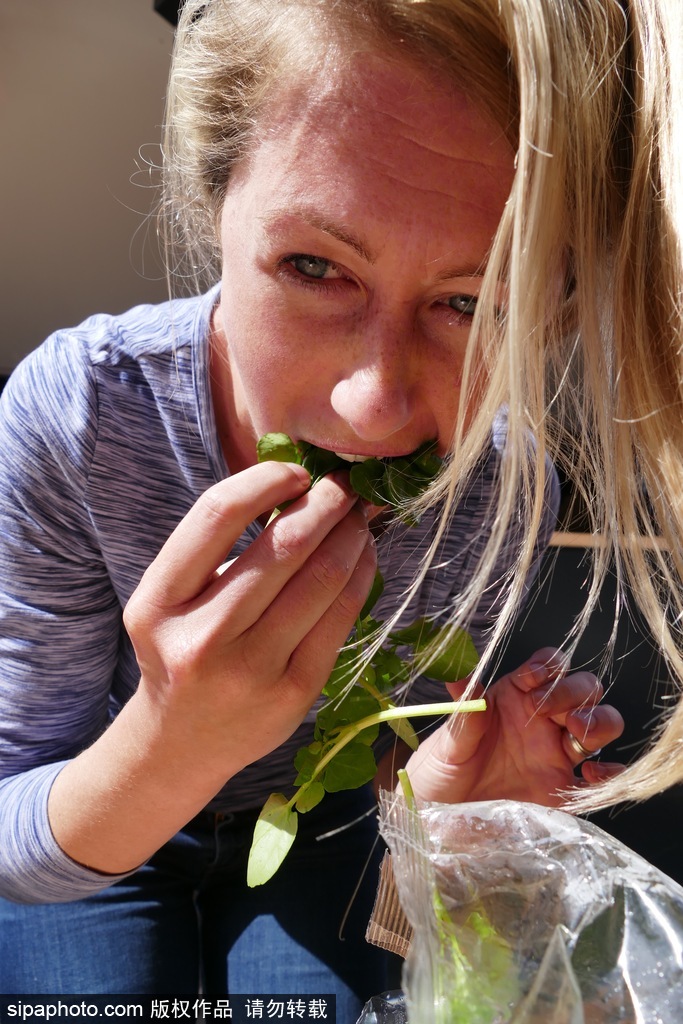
578,747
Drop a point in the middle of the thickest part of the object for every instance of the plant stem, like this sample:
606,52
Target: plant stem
350,732
408,794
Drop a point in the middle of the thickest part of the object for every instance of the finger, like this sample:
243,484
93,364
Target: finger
465,689
460,736
594,772
313,536
594,728
198,545
544,666
320,583
315,656
574,749
556,698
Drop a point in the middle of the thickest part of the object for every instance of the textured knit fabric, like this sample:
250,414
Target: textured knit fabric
107,439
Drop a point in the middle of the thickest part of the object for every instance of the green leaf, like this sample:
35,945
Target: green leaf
368,677
319,461
278,448
309,797
306,761
390,670
426,461
274,834
418,632
367,479
405,732
342,673
352,767
456,660
356,703
400,484
381,481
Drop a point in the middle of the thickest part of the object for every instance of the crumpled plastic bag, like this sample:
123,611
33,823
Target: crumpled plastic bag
386,1008
524,914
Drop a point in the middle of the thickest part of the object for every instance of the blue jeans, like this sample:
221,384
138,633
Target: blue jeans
186,922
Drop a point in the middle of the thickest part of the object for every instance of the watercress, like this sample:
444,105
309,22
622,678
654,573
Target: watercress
390,482
474,974
341,756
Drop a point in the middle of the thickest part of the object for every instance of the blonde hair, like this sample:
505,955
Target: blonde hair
586,351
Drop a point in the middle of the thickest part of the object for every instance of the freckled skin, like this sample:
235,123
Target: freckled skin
395,200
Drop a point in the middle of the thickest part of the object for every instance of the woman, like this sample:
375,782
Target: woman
371,183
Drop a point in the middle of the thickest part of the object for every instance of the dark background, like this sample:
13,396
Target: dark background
168,9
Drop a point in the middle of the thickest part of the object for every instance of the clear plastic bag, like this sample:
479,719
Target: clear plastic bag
527,915
386,1008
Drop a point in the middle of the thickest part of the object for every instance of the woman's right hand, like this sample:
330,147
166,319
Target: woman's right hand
230,663
234,661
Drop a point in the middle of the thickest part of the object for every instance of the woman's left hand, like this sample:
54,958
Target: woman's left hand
521,747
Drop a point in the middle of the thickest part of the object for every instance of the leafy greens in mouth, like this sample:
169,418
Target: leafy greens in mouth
392,481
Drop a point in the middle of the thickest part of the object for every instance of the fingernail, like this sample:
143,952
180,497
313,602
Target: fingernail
303,475
542,671
558,665
341,479
539,673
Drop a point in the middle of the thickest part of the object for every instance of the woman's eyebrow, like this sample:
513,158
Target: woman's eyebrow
276,222
275,219
468,270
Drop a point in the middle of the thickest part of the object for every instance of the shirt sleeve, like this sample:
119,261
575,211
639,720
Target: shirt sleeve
60,621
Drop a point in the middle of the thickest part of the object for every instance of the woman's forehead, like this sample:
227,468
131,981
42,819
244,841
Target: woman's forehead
368,102
384,155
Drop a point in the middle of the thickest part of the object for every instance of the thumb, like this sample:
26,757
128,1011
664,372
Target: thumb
458,738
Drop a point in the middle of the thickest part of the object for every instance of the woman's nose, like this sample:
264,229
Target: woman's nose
376,395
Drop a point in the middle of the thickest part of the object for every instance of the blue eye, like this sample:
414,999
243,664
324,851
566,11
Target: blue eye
310,266
463,304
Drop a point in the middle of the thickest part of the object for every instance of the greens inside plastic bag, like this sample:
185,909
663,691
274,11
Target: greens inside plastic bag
529,915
